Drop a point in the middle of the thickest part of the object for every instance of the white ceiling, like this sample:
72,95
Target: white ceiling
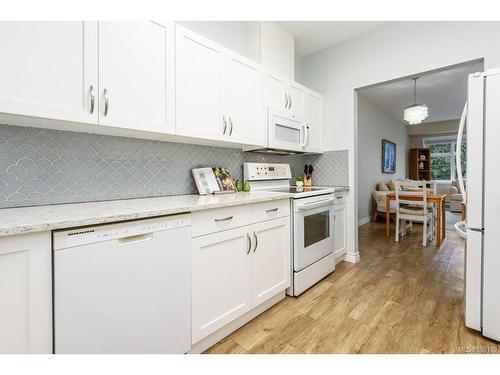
313,36
444,93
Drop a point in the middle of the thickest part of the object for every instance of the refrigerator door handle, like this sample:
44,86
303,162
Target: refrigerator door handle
458,154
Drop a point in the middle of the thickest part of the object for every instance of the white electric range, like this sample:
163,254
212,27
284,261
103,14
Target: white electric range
312,223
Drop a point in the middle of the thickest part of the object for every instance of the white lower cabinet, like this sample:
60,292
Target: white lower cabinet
26,293
340,229
221,289
270,258
236,270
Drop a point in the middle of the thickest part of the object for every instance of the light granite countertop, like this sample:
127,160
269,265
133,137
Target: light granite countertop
41,218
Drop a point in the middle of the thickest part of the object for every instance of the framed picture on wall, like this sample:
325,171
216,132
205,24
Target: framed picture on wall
388,157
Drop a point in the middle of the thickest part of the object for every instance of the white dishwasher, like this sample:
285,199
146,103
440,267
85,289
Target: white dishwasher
124,287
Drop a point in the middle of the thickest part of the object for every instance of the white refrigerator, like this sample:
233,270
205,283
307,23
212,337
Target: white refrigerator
481,119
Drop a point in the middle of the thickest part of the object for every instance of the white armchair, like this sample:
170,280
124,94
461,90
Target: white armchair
455,197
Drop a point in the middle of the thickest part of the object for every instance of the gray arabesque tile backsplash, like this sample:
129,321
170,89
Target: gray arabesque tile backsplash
39,166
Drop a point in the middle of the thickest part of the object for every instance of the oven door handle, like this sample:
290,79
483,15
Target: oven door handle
308,206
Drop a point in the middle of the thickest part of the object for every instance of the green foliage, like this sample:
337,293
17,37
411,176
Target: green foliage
443,161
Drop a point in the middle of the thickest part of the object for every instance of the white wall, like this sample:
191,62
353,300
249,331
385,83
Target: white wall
440,127
242,37
299,69
373,126
399,49
277,49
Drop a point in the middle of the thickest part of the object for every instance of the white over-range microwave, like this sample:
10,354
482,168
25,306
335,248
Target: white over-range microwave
287,133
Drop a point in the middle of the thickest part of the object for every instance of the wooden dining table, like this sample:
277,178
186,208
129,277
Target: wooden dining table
437,199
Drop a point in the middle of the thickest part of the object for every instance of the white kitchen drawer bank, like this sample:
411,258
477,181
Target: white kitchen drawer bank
240,264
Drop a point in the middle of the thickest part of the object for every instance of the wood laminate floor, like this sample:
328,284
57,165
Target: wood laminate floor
400,298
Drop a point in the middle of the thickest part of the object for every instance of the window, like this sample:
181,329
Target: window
443,151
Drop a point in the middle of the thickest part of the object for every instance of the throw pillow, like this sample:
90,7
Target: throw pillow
382,186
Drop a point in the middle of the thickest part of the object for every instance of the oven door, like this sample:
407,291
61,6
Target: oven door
313,230
286,132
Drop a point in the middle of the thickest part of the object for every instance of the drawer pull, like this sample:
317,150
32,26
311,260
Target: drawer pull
224,219
272,210
256,241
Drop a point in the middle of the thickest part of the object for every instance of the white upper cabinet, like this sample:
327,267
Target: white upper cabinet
143,79
277,49
314,115
49,70
133,76
278,93
245,112
296,97
218,93
274,91
200,86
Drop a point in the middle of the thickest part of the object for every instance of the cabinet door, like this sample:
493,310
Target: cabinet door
26,294
221,280
200,86
297,98
49,69
314,103
340,230
270,258
133,75
274,91
245,110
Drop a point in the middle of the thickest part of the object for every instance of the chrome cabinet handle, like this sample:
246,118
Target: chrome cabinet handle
256,241
225,125
249,244
272,210
291,102
92,98
106,102
286,101
230,126
224,219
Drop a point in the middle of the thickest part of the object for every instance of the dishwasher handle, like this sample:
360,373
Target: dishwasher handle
135,239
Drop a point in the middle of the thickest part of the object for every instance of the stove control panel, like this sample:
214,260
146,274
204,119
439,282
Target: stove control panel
266,171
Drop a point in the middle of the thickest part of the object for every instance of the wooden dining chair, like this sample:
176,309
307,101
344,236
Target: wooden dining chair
413,210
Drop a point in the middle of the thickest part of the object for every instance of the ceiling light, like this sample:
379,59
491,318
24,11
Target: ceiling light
415,113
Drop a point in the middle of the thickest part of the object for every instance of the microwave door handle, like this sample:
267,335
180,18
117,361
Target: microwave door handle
304,135
307,135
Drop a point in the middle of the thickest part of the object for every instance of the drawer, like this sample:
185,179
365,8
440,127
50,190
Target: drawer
340,197
211,221
270,210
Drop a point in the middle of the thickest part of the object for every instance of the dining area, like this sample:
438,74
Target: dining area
416,202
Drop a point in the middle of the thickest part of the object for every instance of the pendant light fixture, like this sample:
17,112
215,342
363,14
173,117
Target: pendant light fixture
415,113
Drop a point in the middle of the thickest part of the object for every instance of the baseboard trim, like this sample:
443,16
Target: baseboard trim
352,258
217,336
364,221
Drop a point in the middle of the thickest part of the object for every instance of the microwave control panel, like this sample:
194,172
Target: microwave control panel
266,171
